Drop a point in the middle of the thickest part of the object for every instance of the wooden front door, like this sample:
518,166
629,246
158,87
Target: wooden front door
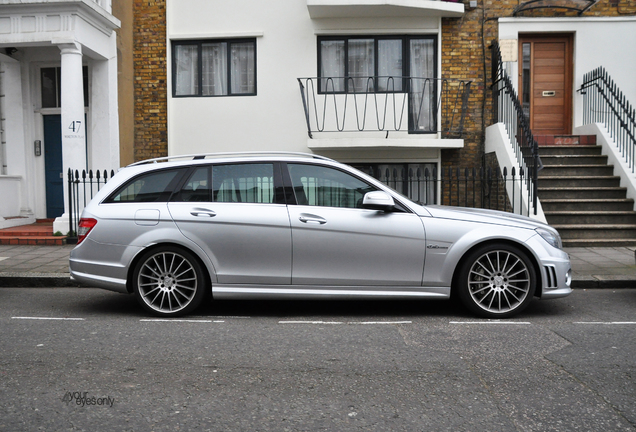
545,82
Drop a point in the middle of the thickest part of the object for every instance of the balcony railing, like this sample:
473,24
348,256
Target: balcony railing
385,104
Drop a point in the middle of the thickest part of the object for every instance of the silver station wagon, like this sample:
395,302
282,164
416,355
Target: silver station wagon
300,226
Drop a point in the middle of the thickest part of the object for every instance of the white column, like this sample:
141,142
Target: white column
73,124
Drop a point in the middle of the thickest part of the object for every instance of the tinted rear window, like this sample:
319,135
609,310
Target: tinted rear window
155,186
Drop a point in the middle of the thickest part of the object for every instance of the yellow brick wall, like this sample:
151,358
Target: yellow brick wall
150,84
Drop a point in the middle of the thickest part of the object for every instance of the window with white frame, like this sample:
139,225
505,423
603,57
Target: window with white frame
216,67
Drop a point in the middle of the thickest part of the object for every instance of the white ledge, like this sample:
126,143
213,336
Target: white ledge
383,143
383,8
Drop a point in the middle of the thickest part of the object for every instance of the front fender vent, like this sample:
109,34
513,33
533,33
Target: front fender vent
551,277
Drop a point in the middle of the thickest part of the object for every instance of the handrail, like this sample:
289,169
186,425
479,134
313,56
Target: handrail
607,104
508,110
407,104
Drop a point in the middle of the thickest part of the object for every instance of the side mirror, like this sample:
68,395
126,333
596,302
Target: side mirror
378,200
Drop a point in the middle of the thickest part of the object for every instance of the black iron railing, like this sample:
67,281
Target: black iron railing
81,189
604,102
508,110
385,104
483,187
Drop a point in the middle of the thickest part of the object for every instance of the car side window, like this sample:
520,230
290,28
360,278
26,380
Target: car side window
155,186
327,187
197,187
244,183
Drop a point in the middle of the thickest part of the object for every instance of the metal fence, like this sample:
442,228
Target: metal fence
604,102
482,187
81,189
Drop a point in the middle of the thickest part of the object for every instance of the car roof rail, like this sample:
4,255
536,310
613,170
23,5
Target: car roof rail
199,156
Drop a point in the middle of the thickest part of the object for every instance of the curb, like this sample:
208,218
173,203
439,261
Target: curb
604,281
37,280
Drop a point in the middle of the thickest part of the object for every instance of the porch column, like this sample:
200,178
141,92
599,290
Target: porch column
73,124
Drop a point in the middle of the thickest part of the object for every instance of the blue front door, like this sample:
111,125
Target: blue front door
53,165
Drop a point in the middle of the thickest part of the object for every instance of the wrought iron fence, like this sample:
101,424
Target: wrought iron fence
508,110
81,189
604,102
408,104
482,187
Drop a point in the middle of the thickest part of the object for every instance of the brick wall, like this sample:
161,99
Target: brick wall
150,79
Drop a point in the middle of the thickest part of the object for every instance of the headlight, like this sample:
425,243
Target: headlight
552,237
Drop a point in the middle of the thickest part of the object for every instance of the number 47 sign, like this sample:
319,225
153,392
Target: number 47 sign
75,126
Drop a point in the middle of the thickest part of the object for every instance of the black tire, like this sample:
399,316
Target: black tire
496,281
169,281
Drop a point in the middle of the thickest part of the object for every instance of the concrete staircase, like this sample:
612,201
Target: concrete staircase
37,234
581,197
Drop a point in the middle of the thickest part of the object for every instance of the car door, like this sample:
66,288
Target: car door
232,212
337,242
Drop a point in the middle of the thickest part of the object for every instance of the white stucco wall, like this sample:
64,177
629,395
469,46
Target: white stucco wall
602,41
37,31
286,39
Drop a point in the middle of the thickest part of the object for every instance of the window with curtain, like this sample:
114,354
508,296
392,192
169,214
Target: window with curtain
361,64
383,64
214,68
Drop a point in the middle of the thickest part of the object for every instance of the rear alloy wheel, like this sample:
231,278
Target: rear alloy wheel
169,282
497,281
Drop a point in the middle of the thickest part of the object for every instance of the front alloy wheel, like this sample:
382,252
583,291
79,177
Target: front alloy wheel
497,281
169,282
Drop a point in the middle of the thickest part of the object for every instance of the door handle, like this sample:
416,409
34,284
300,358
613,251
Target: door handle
309,218
201,212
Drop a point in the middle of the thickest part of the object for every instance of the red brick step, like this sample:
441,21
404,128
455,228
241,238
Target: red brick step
37,234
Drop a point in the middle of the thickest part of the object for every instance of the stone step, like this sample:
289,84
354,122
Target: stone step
585,232
579,181
570,150
581,192
591,217
576,170
574,160
587,204
589,243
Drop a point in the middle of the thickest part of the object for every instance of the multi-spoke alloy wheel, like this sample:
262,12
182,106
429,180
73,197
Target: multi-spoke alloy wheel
497,281
169,282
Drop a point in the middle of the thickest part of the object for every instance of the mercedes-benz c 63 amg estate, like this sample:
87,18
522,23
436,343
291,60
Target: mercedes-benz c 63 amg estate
299,226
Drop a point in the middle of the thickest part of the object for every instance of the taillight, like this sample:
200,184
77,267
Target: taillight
85,226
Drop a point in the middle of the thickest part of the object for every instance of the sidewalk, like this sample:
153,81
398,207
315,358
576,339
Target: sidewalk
47,266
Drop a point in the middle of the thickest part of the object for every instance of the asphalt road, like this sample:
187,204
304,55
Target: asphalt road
85,359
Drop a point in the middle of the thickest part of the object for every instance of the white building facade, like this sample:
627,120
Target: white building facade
58,87
267,76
